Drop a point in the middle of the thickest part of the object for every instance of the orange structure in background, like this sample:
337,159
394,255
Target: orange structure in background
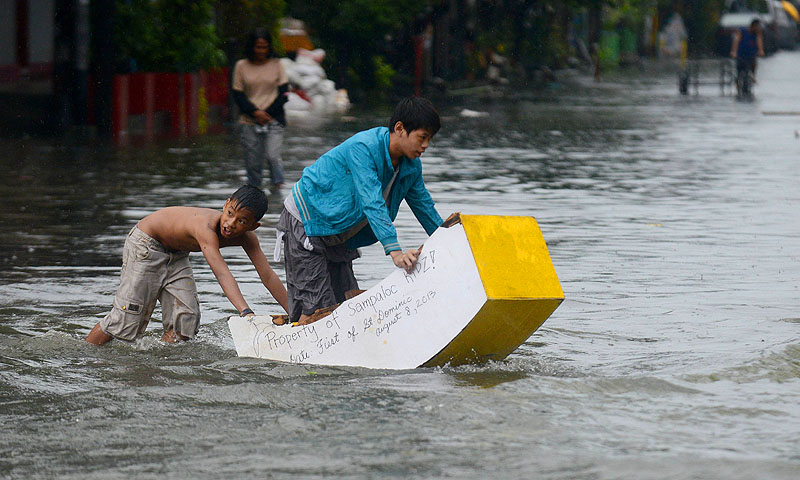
292,43
293,35
150,104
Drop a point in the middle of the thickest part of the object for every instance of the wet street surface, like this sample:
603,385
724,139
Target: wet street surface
673,223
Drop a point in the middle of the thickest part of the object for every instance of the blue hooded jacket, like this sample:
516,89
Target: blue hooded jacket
345,185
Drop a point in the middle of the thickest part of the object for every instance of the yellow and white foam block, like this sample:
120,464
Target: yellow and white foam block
479,289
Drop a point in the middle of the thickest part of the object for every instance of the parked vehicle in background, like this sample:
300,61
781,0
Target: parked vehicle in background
786,33
792,7
793,10
780,31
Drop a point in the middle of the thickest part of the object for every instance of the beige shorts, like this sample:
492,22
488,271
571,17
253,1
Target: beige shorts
150,272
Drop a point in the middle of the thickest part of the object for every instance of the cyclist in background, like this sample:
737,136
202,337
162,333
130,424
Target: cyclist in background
747,44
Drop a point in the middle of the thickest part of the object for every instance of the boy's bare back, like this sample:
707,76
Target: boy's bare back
185,228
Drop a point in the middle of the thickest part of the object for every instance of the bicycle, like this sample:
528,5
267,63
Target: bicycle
745,78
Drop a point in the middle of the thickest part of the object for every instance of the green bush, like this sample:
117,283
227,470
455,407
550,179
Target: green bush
166,35
608,50
235,19
354,33
384,73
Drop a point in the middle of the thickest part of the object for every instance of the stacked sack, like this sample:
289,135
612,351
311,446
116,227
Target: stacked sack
314,92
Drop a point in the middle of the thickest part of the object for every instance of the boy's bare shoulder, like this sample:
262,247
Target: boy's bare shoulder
184,211
185,216
181,228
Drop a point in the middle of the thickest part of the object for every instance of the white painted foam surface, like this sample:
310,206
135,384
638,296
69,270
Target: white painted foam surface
400,323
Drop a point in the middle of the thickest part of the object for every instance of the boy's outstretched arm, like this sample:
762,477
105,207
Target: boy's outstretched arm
268,276
419,200
209,245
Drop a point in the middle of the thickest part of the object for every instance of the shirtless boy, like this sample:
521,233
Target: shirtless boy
155,266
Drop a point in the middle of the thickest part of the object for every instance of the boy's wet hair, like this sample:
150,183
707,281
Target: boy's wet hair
415,113
250,45
251,198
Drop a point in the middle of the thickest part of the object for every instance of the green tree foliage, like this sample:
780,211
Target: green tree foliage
166,35
531,33
237,18
354,34
700,18
536,32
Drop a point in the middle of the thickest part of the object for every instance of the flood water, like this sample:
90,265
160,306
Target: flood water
673,224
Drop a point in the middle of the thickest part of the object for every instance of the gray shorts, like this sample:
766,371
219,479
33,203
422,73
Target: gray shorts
315,278
150,272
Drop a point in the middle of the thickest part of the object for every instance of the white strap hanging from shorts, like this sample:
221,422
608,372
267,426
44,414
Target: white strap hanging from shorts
276,255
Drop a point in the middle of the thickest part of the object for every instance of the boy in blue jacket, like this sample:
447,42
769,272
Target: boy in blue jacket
348,199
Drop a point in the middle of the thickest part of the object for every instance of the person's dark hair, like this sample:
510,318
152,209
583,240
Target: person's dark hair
249,46
755,23
415,113
251,198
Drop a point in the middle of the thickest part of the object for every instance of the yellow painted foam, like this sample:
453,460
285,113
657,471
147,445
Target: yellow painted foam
512,257
521,286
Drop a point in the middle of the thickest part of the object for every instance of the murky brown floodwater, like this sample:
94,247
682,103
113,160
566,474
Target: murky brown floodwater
674,225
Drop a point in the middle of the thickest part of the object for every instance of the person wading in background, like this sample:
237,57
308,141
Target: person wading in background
259,89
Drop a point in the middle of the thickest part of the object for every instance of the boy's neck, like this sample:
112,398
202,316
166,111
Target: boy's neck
394,149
